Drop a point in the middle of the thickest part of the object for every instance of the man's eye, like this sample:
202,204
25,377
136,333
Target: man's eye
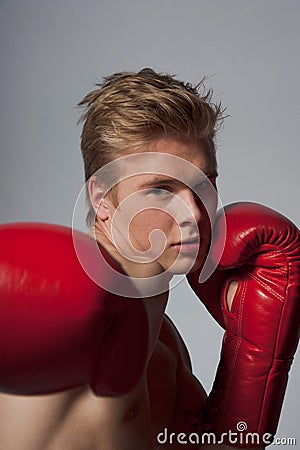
202,185
158,192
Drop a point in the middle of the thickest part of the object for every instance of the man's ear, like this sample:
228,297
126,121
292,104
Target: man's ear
97,199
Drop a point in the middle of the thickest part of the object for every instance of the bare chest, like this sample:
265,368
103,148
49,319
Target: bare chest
79,420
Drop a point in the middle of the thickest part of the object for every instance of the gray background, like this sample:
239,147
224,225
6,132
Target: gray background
53,51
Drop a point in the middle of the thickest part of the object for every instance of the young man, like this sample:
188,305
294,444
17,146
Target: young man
102,366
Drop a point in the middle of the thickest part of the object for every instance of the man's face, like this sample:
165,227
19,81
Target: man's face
163,197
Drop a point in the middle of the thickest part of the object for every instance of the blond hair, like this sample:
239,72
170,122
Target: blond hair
130,110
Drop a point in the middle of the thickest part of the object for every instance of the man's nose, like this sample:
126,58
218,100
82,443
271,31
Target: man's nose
190,210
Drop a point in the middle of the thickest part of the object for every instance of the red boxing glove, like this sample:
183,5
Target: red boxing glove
262,254
58,328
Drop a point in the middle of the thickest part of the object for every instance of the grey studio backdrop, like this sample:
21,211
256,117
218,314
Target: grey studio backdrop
53,51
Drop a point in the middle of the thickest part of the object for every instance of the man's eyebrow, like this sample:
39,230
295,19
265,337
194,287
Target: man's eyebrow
161,180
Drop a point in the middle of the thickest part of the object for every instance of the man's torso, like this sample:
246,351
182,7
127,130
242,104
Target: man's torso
165,401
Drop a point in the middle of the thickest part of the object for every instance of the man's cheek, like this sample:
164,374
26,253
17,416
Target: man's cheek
151,232
139,232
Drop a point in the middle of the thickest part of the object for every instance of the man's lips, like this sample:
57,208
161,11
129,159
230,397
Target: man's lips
195,240
188,245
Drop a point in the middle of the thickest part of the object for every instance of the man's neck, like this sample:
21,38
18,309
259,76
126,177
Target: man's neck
152,286
148,278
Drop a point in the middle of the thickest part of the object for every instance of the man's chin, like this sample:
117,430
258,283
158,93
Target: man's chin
183,266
